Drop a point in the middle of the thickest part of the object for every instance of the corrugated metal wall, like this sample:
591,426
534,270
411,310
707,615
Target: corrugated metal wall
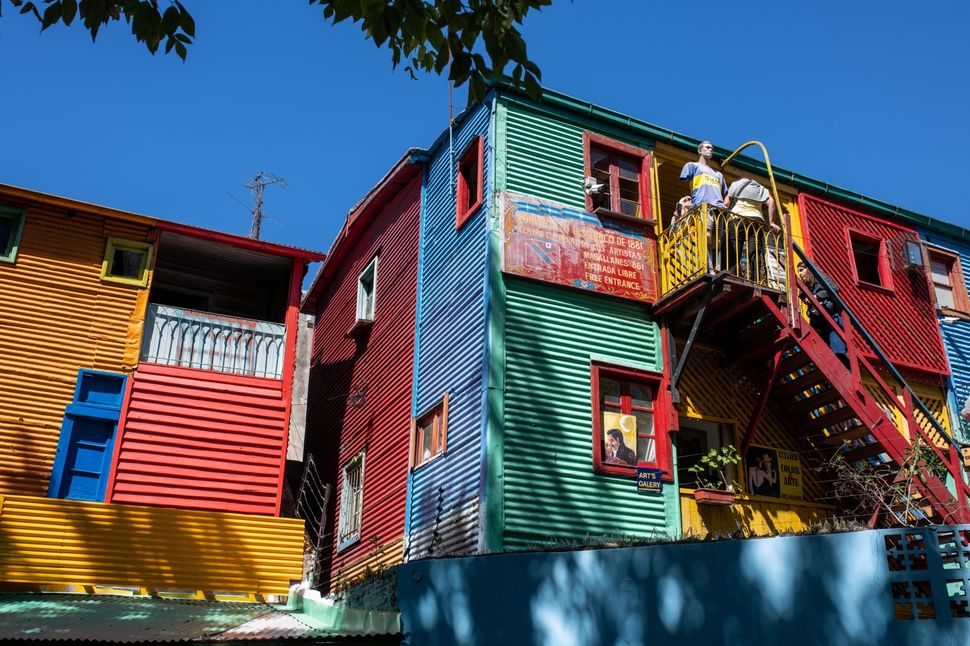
544,155
195,439
451,348
551,491
956,338
57,316
903,322
360,387
67,542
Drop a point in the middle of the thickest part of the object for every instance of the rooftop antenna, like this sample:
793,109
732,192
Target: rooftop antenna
257,186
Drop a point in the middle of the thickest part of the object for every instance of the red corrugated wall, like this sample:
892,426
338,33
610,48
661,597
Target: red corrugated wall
377,365
195,439
902,321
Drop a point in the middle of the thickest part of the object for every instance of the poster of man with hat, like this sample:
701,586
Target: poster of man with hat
762,471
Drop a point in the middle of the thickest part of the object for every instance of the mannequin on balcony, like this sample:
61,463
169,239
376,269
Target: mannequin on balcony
748,241
833,307
707,186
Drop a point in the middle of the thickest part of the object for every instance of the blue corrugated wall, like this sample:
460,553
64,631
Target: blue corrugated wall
443,497
956,340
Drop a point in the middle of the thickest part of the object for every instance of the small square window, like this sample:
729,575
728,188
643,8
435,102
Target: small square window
11,226
947,278
626,431
468,193
126,262
870,259
430,434
367,292
623,171
351,502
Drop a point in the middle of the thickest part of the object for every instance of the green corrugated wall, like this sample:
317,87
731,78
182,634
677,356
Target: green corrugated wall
544,155
550,490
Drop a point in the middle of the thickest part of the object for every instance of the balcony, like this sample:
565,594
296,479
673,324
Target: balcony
710,241
176,336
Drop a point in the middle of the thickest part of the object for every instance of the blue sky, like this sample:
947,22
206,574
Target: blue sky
870,96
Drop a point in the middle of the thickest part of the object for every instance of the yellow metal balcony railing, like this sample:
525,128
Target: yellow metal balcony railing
709,240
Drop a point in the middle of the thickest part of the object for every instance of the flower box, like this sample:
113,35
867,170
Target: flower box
713,497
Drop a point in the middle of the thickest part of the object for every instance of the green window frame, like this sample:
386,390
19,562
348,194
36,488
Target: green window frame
11,228
138,278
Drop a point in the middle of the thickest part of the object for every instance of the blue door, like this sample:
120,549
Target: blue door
86,447
88,459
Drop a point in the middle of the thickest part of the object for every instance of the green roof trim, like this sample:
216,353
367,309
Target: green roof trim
617,120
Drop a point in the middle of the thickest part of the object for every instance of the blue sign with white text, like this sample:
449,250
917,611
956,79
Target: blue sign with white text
650,480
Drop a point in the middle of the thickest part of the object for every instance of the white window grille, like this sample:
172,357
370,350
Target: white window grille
351,498
367,292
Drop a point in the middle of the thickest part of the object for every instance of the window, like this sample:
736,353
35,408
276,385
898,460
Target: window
870,259
947,277
351,498
623,171
367,292
468,192
126,262
694,439
430,434
625,426
11,226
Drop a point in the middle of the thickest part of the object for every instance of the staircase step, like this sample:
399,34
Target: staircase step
864,452
807,405
852,433
759,332
795,362
799,384
828,419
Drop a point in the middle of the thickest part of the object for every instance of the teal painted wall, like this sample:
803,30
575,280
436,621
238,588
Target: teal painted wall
543,153
550,491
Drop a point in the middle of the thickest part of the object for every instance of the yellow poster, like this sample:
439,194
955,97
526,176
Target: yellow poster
619,439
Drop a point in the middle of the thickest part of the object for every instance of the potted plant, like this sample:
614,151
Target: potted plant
717,491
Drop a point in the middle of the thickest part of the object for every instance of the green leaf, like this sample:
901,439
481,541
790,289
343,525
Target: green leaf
69,11
51,15
170,20
180,50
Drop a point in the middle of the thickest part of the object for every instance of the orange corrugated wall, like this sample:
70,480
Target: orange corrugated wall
56,316
196,439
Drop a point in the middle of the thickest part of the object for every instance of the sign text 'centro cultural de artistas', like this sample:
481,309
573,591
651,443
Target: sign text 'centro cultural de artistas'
568,246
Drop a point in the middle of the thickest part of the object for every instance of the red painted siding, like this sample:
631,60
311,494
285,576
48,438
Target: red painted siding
195,439
376,366
903,319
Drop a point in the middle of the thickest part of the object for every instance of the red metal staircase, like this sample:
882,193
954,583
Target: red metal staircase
831,408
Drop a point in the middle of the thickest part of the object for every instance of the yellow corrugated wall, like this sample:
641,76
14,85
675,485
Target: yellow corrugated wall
712,390
750,517
68,542
56,316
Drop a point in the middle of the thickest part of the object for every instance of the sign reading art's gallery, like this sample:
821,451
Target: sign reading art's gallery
650,480
773,472
568,246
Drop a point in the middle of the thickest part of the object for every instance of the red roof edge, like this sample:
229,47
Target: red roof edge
359,220
240,241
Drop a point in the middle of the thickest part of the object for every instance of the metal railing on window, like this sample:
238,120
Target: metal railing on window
194,339
711,240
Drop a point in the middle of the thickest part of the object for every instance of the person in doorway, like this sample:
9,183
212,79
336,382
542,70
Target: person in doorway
707,186
748,242
830,304
616,451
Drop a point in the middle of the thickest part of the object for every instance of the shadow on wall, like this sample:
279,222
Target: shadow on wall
832,589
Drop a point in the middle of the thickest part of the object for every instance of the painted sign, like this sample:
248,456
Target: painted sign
568,246
650,480
773,472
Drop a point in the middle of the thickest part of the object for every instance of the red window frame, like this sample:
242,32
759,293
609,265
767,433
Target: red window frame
961,302
882,263
661,429
438,418
470,164
591,140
